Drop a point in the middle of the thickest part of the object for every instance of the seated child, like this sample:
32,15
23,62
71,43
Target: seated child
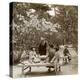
66,53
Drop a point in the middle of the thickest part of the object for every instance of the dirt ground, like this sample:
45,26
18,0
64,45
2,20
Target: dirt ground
66,69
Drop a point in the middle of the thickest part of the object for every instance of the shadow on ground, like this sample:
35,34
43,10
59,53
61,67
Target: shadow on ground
40,74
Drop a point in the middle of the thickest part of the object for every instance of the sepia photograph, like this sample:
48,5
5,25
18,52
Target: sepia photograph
43,39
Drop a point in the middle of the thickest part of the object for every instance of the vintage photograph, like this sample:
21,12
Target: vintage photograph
43,39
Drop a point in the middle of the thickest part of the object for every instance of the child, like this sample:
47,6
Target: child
66,54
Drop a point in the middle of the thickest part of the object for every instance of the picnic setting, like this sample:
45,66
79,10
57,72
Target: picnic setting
43,39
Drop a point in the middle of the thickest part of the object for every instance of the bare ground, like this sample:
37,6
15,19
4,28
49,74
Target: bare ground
67,69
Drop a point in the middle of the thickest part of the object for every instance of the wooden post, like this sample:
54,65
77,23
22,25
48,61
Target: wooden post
23,70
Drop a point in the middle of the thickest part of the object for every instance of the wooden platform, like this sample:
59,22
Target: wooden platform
25,65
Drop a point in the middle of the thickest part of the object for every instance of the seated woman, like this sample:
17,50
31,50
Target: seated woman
33,57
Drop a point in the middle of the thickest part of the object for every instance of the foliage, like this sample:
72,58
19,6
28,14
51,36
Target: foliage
31,21
67,17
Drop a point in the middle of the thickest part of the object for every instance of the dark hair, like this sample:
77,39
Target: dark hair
51,45
31,48
57,49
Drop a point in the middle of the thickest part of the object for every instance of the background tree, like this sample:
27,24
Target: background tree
67,17
32,21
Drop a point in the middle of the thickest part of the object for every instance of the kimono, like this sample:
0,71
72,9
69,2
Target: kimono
56,61
42,48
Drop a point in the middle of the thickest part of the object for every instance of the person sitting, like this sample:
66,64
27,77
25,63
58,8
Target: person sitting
66,54
33,57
